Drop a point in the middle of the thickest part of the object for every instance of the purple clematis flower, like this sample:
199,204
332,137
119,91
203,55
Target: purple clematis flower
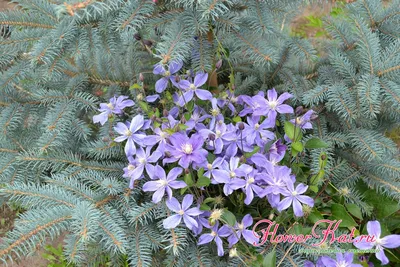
240,229
165,183
210,168
215,113
129,172
276,152
186,150
195,121
257,133
256,105
193,89
130,134
221,135
304,121
115,106
275,104
182,211
317,264
345,260
389,241
143,160
295,197
159,69
216,235
250,187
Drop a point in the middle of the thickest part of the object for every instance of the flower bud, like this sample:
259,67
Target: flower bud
165,113
187,171
218,64
233,87
141,77
137,36
241,126
167,153
148,42
211,137
153,118
177,78
299,110
313,116
243,159
323,157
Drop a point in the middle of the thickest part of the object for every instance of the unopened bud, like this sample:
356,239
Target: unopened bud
313,116
165,113
148,42
137,36
323,157
299,110
211,137
241,126
177,78
183,120
233,87
153,118
218,64
141,77
187,171
167,154
243,159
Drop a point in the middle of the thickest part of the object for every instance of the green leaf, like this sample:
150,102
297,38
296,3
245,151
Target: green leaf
204,207
203,181
135,86
249,154
144,106
354,210
316,216
228,217
339,213
383,205
297,146
270,259
208,200
293,132
237,119
188,179
315,143
317,177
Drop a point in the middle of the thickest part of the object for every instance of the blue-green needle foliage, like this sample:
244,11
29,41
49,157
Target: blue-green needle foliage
59,59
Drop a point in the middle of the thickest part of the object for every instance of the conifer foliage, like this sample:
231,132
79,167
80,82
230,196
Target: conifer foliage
62,60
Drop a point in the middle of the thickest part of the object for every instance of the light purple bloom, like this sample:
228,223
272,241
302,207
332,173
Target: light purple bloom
304,121
389,241
193,89
129,172
186,150
216,235
240,229
258,133
197,117
130,134
221,136
165,183
152,98
143,160
215,112
295,197
250,187
345,260
159,69
256,105
182,211
276,152
275,104
115,106
317,264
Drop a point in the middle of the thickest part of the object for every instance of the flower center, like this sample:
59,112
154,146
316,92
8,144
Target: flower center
218,133
181,212
163,135
240,226
215,112
257,126
187,148
192,86
378,241
142,160
213,233
294,193
273,104
167,73
110,106
128,133
164,182
209,166
298,120
232,174
131,167
341,264
251,180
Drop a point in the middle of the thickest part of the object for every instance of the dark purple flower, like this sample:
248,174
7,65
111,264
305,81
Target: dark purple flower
240,229
159,69
304,121
294,197
345,260
115,106
389,241
192,89
165,183
130,134
186,150
182,211
216,235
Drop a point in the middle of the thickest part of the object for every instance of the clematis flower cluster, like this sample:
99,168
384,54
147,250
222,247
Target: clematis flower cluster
195,147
